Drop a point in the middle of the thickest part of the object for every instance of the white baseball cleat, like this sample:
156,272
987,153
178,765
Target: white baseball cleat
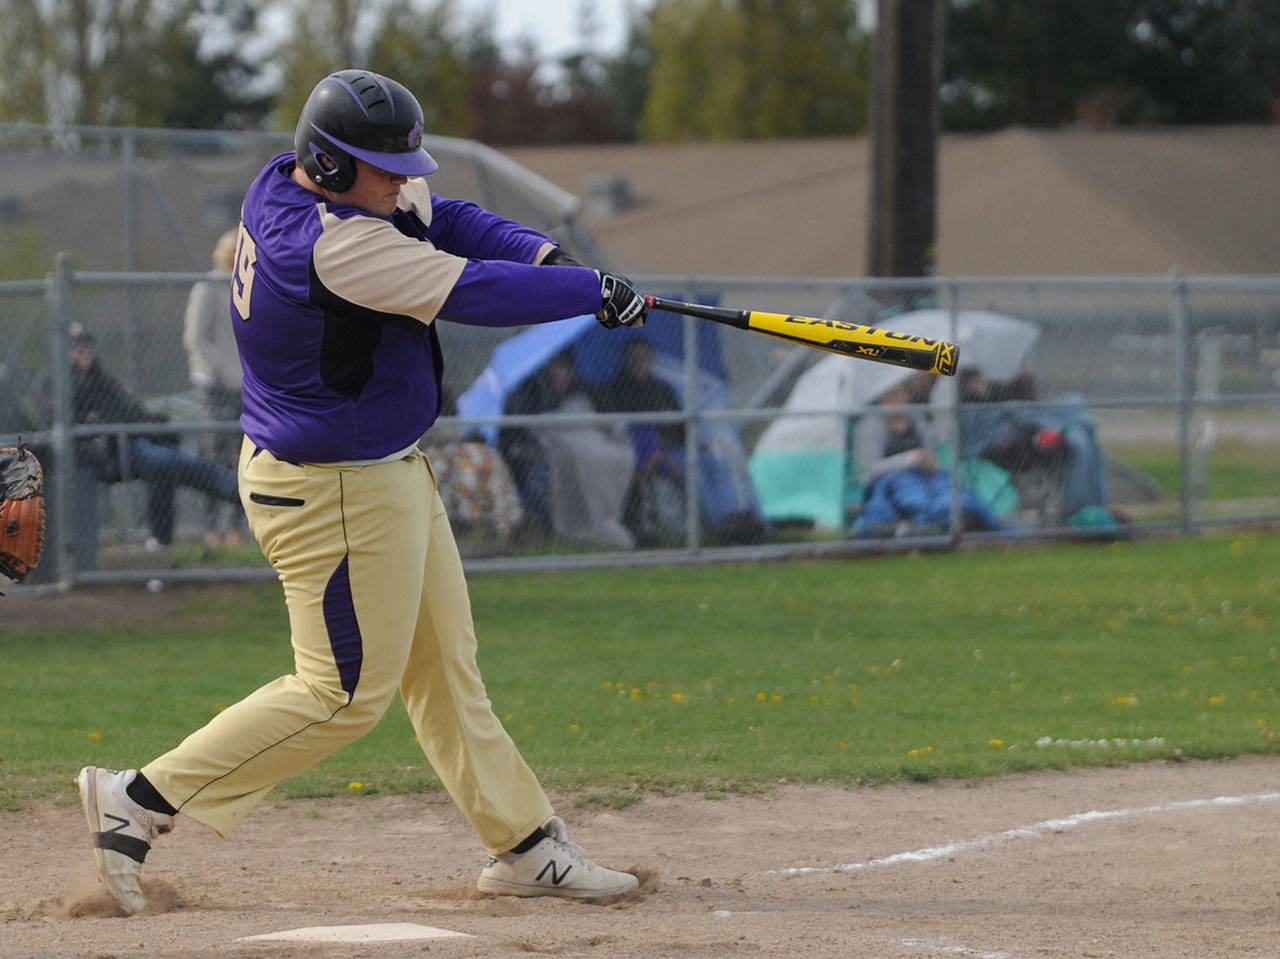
554,867
122,832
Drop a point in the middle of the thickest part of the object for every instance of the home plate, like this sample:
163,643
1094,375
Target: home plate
373,932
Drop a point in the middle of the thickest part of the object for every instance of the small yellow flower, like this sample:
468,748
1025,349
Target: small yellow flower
762,697
1217,700
996,743
575,727
921,751
354,785
95,735
636,694
676,697
777,698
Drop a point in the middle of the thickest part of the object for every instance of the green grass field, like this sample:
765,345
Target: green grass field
726,678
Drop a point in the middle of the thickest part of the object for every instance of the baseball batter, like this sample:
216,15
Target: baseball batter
345,260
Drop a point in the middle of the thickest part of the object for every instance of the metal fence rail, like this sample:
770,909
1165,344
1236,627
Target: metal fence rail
1174,379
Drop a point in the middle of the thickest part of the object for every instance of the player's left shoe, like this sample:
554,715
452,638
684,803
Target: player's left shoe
554,867
122,832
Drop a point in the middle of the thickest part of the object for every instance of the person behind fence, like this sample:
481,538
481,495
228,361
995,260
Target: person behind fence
544,391
904,484
573,477
346,260
97,397
654,510
476,486
214,366
1061,439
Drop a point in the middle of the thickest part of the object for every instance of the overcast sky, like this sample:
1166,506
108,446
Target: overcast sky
553,24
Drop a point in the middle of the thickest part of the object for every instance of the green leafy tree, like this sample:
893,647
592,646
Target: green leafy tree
626,77
755,68
1110,61
698,81
124,62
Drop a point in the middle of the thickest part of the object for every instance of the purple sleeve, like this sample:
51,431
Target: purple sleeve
462,228
498,293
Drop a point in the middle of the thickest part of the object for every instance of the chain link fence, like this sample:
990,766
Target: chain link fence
1106,407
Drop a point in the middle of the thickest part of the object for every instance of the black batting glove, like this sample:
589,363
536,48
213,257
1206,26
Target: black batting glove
558,257
621,303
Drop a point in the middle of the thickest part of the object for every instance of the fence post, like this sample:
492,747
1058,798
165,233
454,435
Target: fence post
951,429
59,301
128,160
1182,375
692,458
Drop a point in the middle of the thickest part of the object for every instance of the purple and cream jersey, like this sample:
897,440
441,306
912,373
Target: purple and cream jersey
334,308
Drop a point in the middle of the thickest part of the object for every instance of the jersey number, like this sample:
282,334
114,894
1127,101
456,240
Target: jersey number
242,279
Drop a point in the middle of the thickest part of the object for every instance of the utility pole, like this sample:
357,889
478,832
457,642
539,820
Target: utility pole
907,73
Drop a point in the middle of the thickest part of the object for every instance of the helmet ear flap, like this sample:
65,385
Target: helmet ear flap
331,169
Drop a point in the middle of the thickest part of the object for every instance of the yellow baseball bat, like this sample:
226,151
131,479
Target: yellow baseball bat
834,336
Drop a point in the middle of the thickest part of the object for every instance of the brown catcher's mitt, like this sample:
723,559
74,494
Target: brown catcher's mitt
21,512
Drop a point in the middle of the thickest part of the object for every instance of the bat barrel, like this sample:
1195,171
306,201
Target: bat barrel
848,339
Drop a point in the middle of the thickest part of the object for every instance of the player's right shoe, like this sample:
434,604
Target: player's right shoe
122,832
554,867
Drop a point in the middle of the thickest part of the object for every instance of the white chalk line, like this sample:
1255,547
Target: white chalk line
932,853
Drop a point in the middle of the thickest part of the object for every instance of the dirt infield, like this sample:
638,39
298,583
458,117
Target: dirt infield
1163,860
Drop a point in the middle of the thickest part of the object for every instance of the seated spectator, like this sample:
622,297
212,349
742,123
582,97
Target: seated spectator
478,490
543,392
655,509
1061,438
567,475
902,479
97,397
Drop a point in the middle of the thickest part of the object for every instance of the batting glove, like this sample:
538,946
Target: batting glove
621,303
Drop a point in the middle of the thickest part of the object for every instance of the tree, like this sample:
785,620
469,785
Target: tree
626,77
760,68
124,62
1110,61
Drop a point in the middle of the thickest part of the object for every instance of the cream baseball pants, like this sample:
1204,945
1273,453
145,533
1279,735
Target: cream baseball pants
377,601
